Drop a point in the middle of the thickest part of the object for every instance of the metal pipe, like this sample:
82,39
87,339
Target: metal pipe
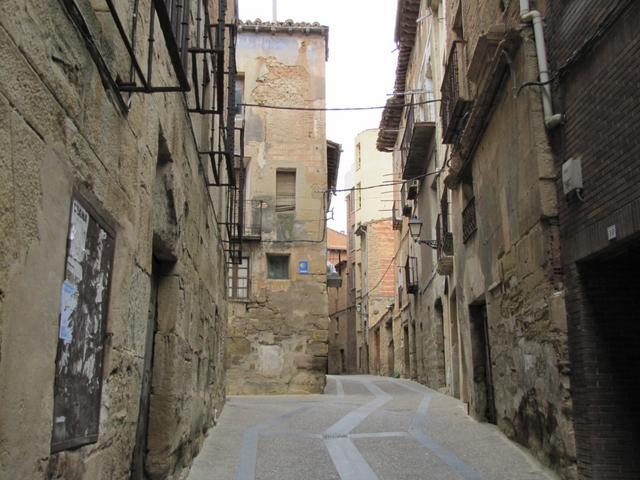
534,17
152,27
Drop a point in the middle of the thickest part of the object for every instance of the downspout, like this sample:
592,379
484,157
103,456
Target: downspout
534,17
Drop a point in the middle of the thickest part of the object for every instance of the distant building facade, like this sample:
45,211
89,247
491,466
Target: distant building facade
369,215
279,319
342,332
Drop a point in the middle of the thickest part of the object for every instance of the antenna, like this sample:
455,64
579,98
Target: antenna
275,10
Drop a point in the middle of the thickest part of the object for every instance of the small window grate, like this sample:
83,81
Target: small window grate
469,225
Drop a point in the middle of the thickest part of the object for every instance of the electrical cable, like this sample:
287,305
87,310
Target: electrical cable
335,109
380,185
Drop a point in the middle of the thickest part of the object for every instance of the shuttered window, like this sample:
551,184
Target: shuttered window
285,190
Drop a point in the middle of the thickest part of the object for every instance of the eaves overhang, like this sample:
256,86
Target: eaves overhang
405,37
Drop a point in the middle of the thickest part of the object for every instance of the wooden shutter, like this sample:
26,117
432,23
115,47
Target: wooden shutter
285,191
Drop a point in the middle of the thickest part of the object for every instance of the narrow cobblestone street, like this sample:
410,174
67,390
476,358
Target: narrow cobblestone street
364,427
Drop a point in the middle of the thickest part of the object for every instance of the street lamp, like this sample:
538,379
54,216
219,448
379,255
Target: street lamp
415,227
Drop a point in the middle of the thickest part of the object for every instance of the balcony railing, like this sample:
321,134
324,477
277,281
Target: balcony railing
411,275
251,222
444,240
419,132
456,98
397,217
469,225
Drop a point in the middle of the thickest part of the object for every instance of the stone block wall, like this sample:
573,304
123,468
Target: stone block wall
61,133
278,336
510,267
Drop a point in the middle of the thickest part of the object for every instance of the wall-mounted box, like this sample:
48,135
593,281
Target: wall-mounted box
572,175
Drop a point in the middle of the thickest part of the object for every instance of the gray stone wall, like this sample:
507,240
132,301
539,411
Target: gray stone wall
60,133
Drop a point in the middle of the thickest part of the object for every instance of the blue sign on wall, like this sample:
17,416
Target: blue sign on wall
303,267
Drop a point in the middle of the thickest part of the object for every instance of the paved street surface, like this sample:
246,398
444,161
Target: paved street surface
364,427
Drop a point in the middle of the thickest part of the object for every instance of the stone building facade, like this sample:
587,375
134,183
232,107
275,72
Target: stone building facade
112,256
421,319
278,328
594,53
487,320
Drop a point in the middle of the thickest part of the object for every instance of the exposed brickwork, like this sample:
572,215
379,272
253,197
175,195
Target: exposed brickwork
380,236
599,94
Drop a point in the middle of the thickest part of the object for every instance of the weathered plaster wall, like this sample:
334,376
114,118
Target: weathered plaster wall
60,132
278,339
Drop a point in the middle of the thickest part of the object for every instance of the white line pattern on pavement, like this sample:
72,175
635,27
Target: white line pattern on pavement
347,459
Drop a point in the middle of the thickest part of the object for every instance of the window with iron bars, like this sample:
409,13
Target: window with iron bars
238,279
469,225
455,94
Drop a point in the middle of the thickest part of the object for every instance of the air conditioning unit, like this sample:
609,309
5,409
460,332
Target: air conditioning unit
412,191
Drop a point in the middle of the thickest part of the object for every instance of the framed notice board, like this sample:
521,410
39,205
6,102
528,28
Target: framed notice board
84,302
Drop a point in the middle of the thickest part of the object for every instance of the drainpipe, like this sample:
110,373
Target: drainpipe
527,15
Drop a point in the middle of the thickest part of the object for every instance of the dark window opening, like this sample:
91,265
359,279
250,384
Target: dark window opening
278,267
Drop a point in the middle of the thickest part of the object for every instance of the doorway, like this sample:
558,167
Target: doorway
376,346
407,356
605,339
142,429
388,333
456,362
482,370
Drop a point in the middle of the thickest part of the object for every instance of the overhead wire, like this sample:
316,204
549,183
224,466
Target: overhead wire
335,109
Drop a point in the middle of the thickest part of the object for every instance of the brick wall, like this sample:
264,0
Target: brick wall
380,236
598,94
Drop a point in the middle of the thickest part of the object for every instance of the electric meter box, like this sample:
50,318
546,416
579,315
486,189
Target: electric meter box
571,175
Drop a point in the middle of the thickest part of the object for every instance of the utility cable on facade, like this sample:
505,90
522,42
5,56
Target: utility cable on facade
334,109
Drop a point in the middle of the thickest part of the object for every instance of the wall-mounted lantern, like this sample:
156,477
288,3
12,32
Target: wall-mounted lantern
415,227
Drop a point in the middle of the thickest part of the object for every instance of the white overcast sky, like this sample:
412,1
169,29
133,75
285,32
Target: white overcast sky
361,67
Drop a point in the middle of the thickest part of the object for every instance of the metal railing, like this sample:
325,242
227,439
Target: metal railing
411,275
444,238
397,218
251,222
455,93
469,225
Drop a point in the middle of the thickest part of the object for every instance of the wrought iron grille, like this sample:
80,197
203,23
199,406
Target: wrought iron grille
397,218
201,57
455,93
411,275
251,221
469,225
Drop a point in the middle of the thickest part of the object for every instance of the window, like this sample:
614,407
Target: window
337,326
358,157
238,279
239,94
285,190
278,267
358,195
